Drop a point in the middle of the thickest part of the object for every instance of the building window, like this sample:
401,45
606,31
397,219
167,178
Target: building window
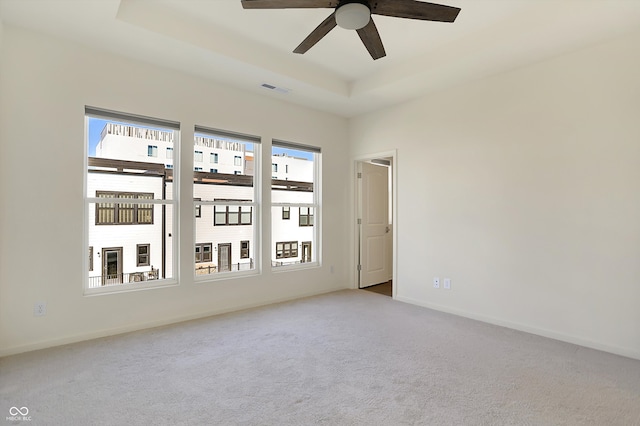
124,189
123,212
274,168
244,249
306,216
203,252
198,207
230,202
232,215
168,166
197,169
286,249
143,254
197,156
299,197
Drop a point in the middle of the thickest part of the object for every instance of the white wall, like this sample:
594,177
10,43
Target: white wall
524,189
45,84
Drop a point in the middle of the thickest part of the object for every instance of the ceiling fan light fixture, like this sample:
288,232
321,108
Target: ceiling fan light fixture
353,16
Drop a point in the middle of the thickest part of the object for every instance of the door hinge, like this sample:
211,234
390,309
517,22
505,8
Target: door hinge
359,221
359,175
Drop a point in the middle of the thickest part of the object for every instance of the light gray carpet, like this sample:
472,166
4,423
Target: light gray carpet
346,358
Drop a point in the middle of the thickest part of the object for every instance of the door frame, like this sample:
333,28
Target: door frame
393,156
220,245
303,246
103,262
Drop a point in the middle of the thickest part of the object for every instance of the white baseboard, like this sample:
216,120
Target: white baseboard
626,352
44,344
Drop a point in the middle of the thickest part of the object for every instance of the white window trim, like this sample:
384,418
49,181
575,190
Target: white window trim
316,204
91,112
256,208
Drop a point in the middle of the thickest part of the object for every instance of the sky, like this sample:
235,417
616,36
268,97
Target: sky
96,125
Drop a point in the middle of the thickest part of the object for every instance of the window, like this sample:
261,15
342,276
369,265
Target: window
197,169
125,187
286,249
203,252
298,196
123,213
228,205
198,208
197,156
274,168
306,216
232,215
168,166
244,249
143,254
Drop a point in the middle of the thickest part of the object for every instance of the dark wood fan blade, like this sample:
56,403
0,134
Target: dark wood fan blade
371,39
413,9
288,4
317,34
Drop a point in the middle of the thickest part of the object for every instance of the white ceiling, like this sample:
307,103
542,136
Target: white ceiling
219,40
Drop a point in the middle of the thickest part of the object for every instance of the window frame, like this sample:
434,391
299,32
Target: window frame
147,254
308,216
239,204
315,211
202,247
170,205
244,251
292,250
246,210
122,203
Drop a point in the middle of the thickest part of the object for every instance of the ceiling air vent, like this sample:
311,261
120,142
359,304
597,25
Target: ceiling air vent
281,90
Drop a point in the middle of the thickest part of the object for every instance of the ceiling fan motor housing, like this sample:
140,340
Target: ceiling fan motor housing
353,15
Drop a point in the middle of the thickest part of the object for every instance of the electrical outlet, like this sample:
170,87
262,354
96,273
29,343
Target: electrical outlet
39,309
447,283
436,282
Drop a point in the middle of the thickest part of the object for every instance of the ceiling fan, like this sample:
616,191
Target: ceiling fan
356,15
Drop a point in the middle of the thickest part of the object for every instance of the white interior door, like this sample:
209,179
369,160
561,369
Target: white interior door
374,205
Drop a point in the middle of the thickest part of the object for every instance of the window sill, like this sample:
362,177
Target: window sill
129,287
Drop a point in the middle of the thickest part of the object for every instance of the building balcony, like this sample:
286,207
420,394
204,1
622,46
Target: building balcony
123,278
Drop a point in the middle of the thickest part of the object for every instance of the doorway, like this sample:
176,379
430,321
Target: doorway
375,213
306,252
224,257
112,265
